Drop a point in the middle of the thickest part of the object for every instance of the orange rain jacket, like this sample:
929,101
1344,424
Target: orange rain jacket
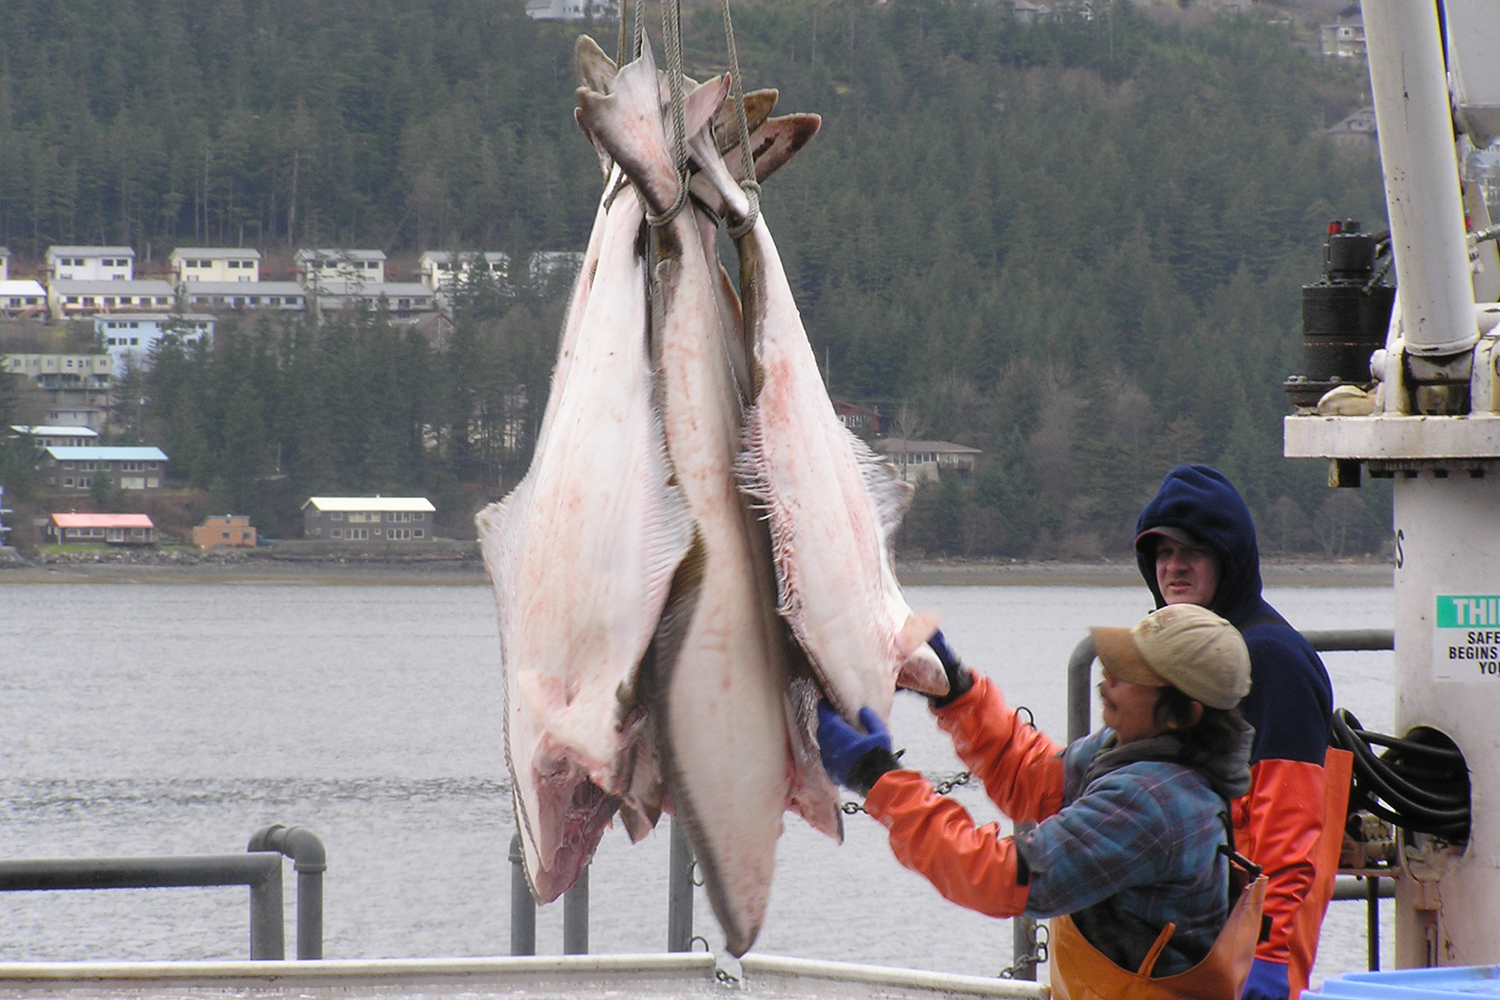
1134,850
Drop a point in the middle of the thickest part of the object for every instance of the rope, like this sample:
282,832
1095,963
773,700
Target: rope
671,30
747,158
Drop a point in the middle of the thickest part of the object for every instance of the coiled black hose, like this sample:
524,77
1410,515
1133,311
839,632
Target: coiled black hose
1415,784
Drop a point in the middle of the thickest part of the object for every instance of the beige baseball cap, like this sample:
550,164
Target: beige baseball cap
1183,646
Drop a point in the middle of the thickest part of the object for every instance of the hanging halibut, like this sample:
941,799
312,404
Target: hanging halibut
720,706
581,556
831,503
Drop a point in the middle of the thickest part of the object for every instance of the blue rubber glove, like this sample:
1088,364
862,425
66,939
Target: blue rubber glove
1267,981
852,758
959,677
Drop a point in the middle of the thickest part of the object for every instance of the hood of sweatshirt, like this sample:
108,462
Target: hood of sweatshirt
1203,502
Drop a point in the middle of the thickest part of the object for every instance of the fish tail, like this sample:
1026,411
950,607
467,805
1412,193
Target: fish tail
627,123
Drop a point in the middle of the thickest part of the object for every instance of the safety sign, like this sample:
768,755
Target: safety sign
1466,637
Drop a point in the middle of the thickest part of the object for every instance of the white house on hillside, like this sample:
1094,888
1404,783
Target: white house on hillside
237,264
571,10
442,269
22,298
286,295
84,298
315,267
90,263
921,461
404,299
4,263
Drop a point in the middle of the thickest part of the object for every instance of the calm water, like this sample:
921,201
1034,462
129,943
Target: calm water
178,719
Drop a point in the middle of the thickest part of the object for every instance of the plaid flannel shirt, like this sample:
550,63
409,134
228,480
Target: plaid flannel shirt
1137,848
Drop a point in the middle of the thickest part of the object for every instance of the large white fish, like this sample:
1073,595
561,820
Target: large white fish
832,505
582,555
722,677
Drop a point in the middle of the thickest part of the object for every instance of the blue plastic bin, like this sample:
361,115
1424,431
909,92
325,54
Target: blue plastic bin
1414,984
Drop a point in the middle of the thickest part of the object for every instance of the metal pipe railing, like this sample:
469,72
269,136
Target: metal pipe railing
523,909
310,861
261,873
680,891
522,903
576,916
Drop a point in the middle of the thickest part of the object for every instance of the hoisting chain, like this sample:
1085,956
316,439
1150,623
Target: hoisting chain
940,785
747,156
1026,964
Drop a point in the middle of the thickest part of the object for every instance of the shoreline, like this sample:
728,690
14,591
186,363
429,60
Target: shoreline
260,570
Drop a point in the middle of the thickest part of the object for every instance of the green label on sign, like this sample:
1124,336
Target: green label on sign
1468,611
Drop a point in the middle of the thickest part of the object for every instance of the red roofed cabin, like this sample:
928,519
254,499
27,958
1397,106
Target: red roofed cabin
115,529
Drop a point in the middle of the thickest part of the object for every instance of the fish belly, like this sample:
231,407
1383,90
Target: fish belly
581,556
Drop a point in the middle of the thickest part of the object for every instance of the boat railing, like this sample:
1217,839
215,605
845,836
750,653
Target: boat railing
259,869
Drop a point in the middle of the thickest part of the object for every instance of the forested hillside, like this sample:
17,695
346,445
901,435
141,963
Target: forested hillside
1076,245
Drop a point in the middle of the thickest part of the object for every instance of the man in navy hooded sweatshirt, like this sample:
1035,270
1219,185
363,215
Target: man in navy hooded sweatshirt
1195,544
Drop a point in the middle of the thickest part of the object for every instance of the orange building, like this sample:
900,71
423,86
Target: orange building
224,529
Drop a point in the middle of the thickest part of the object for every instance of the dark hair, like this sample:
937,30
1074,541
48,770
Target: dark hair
1215,735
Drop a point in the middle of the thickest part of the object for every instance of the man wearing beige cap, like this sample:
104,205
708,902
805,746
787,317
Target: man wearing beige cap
1118,834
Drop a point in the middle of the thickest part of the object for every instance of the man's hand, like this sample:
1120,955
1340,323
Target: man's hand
1267,981
959,677
852,758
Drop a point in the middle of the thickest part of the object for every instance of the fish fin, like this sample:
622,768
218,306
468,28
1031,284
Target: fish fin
627,122
889,492
703,103
666,647
749,473
676,618
596,71
921,670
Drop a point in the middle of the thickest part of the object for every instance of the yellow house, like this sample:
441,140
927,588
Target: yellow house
236,264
